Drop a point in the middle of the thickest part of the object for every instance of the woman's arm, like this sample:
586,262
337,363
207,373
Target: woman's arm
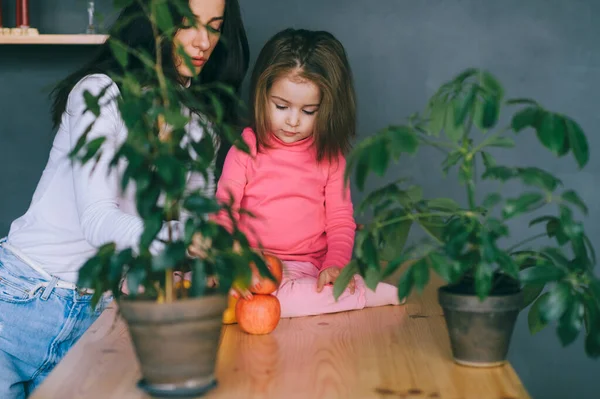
97,185
339,217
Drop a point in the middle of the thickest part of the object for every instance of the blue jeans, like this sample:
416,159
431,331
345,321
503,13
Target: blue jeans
38,325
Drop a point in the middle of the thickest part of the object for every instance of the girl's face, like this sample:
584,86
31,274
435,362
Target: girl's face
200,40
293,104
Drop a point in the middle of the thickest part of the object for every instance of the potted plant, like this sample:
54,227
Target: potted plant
490,279
175,328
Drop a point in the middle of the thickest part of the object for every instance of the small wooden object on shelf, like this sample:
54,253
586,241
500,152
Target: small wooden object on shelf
80,39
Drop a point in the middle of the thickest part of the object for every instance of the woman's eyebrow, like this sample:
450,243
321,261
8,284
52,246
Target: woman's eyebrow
211,20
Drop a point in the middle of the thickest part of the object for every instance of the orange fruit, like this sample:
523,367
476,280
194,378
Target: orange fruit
259,315
265,285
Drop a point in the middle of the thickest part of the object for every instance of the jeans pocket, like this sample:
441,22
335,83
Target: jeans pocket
104,302
13,290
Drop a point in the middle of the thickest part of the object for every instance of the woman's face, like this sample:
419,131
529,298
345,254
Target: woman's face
200,40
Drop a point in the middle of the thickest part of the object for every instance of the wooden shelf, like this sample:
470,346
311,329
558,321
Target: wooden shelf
53,39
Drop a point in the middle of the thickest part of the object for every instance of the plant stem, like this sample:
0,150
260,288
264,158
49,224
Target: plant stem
411,216
533,238
165,94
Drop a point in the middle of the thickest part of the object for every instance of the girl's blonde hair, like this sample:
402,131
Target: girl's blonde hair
319,57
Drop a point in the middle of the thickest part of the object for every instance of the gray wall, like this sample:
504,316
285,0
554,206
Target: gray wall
400,50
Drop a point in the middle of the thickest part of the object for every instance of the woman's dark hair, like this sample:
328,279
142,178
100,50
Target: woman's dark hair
316,56
227,64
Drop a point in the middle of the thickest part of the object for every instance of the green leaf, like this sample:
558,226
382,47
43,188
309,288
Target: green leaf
379,157
171,172
92,103
483,280
465,105
525,203
200,204
205,149
488,160
554,229
452,159
436,111
452,129
447,269
433,225
508,265
402,139
541,274
152,226
466,74
120,52
538,177
521,101
489,249
368,251
162,15
577,142
135,279
343,279
491,200
571,322
372,277
574,198
362,169
420,274
375,197
170,257
198,279
592,325
530,293
490,112
551,132
594,290
405,284
505,142
534,319
394,238
502,173
92,148
443,204
554,305
556,256
527,117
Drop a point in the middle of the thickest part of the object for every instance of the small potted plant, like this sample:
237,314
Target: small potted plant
175,325
490,279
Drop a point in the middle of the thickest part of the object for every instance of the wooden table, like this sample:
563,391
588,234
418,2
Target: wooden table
388,353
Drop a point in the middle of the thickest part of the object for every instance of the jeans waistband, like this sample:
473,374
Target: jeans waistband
52,281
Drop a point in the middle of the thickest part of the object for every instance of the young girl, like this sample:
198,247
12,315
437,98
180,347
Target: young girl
76,209
293,182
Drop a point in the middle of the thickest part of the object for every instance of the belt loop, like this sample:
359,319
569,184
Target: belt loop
48,290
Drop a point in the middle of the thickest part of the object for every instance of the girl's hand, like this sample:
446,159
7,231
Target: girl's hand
329,275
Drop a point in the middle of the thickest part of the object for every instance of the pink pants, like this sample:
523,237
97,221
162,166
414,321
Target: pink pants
299,297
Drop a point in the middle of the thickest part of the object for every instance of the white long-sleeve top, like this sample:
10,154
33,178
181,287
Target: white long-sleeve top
77,208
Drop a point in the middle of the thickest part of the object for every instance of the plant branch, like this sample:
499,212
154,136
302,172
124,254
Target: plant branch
533,238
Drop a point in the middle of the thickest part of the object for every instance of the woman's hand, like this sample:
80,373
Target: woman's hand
199,246
329,275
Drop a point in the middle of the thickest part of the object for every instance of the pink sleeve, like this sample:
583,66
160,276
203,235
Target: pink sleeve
233,181
339,213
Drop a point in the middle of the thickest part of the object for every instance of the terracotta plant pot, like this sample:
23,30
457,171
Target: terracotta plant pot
176,344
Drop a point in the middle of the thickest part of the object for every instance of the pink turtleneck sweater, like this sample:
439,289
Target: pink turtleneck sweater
302,211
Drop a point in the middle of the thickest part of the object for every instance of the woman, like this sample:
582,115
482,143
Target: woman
76,208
